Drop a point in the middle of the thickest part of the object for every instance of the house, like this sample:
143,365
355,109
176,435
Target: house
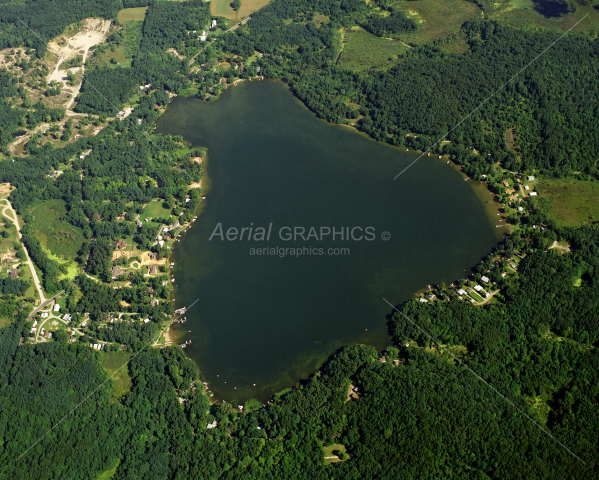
484,279
423,300
533,194
8,261
121,244
510,191
506,183
468,290
13,273
526,187
138,222
46,334
478,288
461,291
154,302
213,24
176,223
212,425
430,296
153,256
530,178
152,270
116,271
56,307
383,359
520,209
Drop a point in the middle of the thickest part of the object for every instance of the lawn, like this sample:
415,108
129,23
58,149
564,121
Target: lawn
121,380
572,202
155,209
132,15
58,236
363,50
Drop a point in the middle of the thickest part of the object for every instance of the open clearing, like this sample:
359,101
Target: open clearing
132,14
437,18
572,202
221,8
122,381
93,32
329,456
363,50
58,236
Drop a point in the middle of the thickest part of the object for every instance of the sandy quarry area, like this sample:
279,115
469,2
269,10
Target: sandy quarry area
93,31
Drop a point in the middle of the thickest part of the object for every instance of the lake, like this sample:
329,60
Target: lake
273,318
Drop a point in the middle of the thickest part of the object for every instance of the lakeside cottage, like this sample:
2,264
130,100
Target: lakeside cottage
484,279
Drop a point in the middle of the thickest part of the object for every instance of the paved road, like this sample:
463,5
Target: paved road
36,280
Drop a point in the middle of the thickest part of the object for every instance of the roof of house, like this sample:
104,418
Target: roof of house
484,279
13,273
152,269
116,271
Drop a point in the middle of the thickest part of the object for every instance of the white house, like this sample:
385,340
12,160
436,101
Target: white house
56,307
478,288
213,24
531,178
533,194
484,279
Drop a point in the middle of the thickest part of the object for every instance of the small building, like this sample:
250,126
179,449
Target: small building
116,271
478,288
176,223
13,273
138,222
56,307
468,290
213,24
152,270
46,334
526,187
484,279
461,291
533,194
154,302
121,244
383,359
530,178
430,296
506,183
520,209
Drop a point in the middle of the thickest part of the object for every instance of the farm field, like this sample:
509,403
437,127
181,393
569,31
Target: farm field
59,237
221,8
572,202
363,50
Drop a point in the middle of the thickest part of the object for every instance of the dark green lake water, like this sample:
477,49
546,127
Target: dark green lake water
271,320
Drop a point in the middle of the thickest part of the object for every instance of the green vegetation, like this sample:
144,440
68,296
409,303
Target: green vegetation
115,363
572,202
363,50
132,15
51,228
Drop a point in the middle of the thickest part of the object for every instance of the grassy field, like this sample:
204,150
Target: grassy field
220,8
362,50
155,209
573,202
437,18
118,55
121,381
60,237
132,14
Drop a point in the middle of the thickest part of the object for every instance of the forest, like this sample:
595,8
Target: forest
418,411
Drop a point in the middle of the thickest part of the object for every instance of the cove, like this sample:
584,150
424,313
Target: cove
273,318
